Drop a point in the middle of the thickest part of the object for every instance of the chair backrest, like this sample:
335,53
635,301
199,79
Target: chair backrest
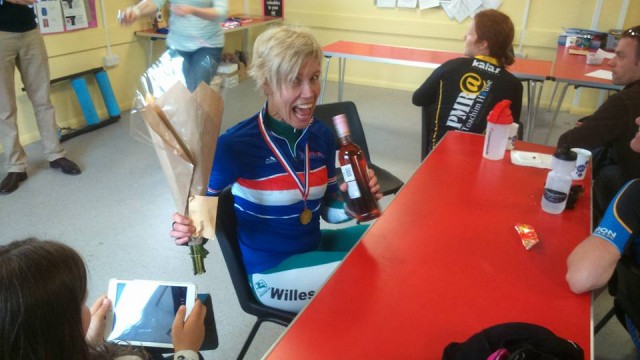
227,236
325,113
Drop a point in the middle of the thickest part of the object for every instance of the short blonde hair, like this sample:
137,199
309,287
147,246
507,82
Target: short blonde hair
278,54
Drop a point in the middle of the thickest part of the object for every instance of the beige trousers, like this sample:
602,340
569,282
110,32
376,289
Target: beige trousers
27,52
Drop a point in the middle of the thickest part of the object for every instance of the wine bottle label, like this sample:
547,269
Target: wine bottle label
350,179
554,196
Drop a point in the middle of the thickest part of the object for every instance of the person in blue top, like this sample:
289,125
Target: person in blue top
280,164
195,34
592,263
460,93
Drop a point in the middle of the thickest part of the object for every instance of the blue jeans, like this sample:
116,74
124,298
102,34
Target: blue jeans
200,65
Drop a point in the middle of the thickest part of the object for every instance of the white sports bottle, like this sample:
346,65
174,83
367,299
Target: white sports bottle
497,134
556,189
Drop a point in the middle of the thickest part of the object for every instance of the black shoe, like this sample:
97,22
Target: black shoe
12,181
67,166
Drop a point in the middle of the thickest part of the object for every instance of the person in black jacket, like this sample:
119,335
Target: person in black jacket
22,46
609,130
460,93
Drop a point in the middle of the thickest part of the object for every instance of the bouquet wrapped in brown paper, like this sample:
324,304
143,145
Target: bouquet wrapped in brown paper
183,128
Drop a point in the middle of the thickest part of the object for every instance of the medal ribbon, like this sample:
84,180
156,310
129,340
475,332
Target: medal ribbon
303,187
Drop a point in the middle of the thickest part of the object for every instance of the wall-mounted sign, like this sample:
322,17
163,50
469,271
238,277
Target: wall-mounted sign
273,8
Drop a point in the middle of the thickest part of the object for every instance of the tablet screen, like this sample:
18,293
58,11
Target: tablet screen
143,312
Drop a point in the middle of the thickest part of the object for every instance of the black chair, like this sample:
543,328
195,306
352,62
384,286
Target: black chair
389,183
227,235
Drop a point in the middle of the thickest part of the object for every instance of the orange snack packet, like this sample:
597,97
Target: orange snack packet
527,235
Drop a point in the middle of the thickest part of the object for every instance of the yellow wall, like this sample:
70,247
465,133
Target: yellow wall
360,20
331,20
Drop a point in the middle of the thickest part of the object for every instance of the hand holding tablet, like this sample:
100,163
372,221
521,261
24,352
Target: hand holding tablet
143,313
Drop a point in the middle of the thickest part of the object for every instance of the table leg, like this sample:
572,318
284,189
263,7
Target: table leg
245,44
341,70
324,80
529,123
536,91
555,115
150,53
553,95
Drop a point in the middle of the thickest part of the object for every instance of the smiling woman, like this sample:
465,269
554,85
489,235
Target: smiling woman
280,165
292,86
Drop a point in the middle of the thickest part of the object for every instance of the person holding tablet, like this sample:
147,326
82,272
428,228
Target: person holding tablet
43,314
280,164
460,93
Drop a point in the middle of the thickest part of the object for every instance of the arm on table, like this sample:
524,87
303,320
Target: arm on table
591,264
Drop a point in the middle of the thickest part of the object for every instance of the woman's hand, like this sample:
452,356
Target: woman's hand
181,229
189,335
373,185
99,309
128,16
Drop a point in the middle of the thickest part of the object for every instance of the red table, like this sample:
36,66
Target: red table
571,69
444,261
534,72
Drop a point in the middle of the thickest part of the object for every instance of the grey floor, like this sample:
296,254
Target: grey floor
117,212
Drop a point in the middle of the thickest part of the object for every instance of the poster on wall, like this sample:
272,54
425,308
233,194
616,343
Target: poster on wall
75,14
272,8
49,15
56,16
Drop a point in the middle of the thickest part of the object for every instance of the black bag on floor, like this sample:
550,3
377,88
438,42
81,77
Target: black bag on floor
519,341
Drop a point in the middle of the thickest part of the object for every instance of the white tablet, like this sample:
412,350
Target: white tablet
143,310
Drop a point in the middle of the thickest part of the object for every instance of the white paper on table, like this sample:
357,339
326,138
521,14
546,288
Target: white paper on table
605,54
601,74
533,159
411,4
426,4
386,3
50,17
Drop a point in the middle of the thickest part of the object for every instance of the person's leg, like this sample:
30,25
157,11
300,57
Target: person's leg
290,285
16,159
33,64
341,239
203,65
186,66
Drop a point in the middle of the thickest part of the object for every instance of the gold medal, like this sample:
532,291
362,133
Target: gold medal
305,216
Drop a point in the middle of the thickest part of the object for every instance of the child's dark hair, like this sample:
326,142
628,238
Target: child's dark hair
43,287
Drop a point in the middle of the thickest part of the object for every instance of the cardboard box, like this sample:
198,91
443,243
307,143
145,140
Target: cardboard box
229,80
227,68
